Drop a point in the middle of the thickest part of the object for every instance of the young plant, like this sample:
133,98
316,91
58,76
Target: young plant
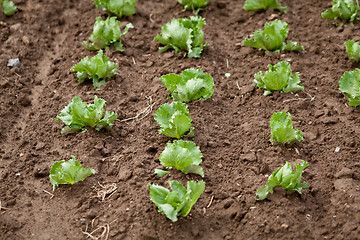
178,202
105,33
194,5
183,156
349,85
342,9
272,38
8,7
251,5
278,78
77,115
192,84
183,34
284,177
70,172
117,7
174,120
353,50
282,130
95,68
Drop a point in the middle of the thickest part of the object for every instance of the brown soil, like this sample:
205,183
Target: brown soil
231,128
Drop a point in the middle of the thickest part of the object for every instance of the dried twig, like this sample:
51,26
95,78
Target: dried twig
237,84
143,113
52,195
211,200
106,190
133,59
311,98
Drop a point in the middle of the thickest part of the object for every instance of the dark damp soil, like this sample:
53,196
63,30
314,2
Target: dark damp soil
231,129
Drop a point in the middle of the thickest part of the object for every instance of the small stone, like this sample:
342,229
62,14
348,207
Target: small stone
95,153
15,27
124,174
284,226
26,40
14,62
337,149
345,173
82,219
40,145
249,157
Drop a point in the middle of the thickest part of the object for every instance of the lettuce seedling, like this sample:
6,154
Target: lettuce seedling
95,68
70,172
117,7
8,7
349,85
183,156
282,130
278,78
77,115
105,33
342,9
183,34
284,177
272,38
174,120
161,173
353,50
178,202
194,5
252,5
192,84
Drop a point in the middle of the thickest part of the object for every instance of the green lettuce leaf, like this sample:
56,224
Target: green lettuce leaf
161,173
117,7
95,68
179,201
349,85
105,33
70,172
251,5
284,177
353,50
278,78
194,5
272,38
8,7
77,115
183,34
183,156
192,84
342,9
282,130
174,120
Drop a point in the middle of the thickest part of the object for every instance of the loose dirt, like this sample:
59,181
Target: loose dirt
231,129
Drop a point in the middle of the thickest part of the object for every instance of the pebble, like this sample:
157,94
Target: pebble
284,226
14,62
26,40
337,149
15,27
82,219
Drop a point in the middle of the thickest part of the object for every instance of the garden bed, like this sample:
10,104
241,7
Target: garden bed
231,128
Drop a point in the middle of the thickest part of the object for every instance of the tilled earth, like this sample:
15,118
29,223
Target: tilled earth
231,129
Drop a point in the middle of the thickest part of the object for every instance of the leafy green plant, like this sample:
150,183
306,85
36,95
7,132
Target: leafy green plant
284,177
174,120
353,50
70,172
77,115
194,5
183,156
349,84
8,7
272,38
95,68
251,5
161,173
179,201
117,7
278,78
282,130
105,33
183,34
342,9
192,84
